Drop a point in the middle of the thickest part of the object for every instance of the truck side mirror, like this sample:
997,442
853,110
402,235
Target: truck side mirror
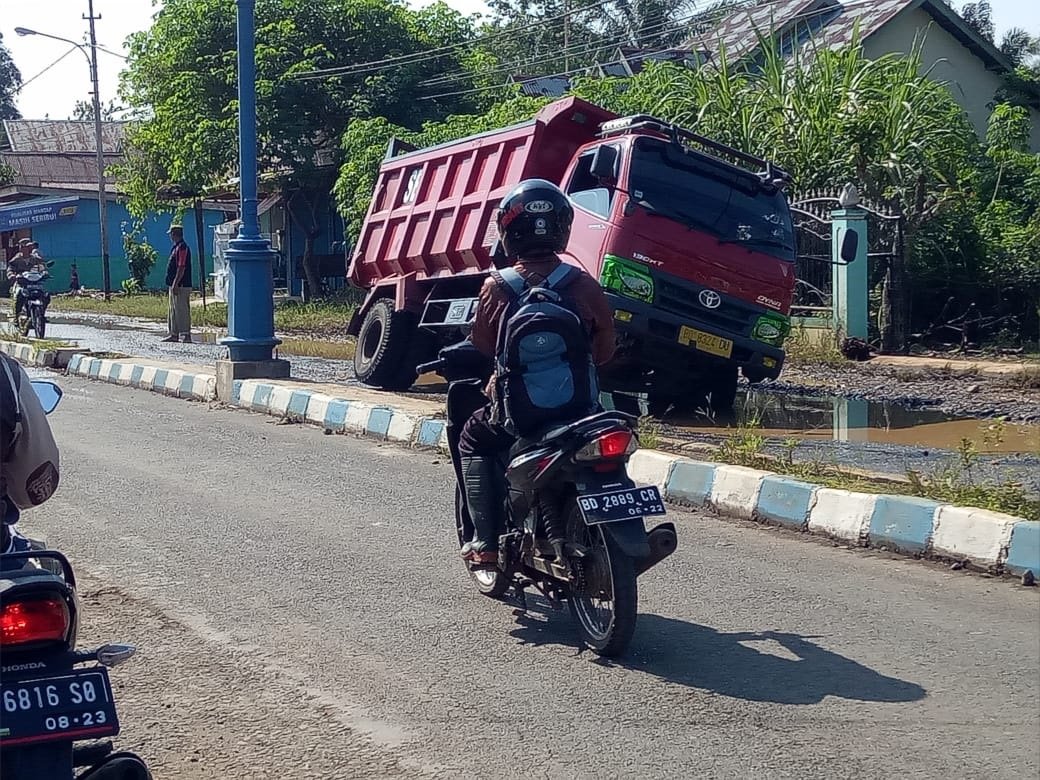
604,162
849,246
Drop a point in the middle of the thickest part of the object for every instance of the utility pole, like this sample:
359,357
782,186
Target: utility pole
566,37
102,195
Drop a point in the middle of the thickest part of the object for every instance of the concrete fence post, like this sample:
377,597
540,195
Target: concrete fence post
850,281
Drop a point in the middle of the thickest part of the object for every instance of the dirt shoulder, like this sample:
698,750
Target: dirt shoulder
195,708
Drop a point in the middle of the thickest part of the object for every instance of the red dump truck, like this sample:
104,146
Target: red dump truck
692,241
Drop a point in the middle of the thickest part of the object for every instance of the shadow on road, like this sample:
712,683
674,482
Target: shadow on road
744,665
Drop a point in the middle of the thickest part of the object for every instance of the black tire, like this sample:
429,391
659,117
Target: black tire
493,583
39,323
612,639
723,390
381,358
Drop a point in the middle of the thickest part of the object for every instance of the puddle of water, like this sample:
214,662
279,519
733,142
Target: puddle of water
841,419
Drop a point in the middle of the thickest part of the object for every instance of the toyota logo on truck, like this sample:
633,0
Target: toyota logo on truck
710,299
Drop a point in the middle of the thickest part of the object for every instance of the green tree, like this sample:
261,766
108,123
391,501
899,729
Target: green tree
10,83
313,80
83,111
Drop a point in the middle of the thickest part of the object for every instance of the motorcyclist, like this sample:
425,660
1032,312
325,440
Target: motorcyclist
28,455
531,240
21,263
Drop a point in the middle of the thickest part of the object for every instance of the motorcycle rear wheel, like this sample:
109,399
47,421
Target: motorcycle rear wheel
607,576
493,583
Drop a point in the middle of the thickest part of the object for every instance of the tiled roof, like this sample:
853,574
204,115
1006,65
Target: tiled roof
46,135
56,170
833,23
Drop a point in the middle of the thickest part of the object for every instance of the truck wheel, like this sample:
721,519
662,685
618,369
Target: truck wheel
723,390
382,350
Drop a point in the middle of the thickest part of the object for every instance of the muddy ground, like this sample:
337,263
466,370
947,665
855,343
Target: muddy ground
1014,397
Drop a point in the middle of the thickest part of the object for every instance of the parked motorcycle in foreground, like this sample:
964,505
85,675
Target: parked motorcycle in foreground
569,485
51,694
36,300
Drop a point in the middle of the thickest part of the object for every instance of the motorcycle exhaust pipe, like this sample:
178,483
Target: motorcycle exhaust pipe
663,541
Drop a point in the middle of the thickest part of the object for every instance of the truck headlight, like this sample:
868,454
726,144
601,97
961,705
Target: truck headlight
771,329
628,278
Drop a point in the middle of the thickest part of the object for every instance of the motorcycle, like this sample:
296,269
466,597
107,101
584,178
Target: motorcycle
574,521
53,695
36,299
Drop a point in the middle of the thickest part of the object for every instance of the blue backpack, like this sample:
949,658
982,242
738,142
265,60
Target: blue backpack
544,374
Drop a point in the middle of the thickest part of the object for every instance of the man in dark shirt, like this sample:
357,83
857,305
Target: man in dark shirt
21,263
178,280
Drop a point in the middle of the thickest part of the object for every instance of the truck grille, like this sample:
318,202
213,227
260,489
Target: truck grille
682,300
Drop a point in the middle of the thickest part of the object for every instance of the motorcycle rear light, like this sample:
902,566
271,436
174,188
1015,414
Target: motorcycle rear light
35,620
615,444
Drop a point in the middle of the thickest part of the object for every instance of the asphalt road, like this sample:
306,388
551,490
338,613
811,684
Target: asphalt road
301,613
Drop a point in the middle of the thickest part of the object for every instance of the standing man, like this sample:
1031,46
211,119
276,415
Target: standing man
178,280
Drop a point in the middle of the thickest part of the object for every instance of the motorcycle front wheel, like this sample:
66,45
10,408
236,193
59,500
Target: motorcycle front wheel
493,583
604,597
39,322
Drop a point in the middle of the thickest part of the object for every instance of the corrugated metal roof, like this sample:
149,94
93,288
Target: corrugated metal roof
46,135
56,170
833,23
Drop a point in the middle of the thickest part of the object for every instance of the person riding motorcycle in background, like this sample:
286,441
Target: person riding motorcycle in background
23,262
29,465
531,240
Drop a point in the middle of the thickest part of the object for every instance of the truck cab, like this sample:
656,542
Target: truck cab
695,253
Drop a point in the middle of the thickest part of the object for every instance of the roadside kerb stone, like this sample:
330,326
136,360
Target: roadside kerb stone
975,535
57,358
905,524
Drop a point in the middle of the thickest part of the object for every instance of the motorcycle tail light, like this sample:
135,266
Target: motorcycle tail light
34,620
615,444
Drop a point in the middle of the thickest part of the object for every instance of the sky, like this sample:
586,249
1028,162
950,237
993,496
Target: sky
54,92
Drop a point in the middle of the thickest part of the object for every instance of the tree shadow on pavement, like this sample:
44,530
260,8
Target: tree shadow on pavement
742,665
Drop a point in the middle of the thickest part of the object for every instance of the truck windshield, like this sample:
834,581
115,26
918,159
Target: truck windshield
733,211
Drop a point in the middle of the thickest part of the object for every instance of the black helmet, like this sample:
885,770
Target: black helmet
534,219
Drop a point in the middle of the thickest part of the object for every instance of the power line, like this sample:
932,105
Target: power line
27,82
408,59
460,74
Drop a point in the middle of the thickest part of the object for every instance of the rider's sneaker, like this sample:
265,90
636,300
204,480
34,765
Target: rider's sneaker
478,556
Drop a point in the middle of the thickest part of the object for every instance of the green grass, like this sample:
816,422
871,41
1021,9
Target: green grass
330,350
802,349
289,316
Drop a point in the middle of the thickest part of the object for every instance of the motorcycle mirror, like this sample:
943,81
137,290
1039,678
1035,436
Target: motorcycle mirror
48,393
113,655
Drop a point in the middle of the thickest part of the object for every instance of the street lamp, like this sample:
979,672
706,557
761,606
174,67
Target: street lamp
102,199
250,341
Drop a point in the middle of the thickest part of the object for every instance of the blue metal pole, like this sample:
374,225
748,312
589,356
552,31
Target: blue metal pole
250,284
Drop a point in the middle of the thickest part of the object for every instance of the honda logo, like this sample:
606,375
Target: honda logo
710,299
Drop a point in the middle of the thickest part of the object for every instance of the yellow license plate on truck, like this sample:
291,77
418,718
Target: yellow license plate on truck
705,342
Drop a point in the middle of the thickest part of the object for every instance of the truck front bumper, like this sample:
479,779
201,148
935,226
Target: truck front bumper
668,343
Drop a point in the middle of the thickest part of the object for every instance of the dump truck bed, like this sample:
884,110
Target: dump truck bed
432,213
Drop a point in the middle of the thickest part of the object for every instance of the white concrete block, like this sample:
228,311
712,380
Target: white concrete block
204,386
735,490
651,467
106,369
247,393
278,403
357,417
317,408
976,534
148,377
174,378
126,371
403,427
842,514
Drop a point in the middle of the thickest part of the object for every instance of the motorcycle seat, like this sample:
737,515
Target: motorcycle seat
548,435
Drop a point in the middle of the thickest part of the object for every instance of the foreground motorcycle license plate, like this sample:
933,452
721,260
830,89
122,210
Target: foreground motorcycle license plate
76,704
621,505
